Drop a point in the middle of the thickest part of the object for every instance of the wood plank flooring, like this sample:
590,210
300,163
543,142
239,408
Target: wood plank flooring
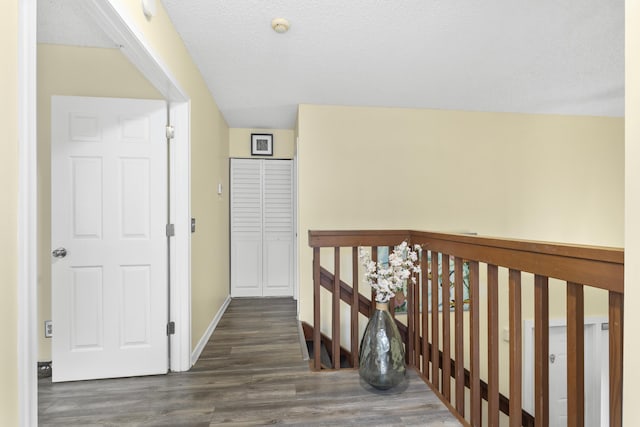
250,373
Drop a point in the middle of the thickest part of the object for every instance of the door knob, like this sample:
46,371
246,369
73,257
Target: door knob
59,253
552,358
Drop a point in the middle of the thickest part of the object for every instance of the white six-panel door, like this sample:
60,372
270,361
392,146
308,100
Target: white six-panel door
108,212
262,233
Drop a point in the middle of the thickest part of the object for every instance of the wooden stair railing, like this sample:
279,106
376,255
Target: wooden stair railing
577,266
346,295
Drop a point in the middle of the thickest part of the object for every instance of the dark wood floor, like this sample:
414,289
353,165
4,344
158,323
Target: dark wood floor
250,373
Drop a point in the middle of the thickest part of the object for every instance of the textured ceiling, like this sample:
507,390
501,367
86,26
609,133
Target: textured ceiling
545,56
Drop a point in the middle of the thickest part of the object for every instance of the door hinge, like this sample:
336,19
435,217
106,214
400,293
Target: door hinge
171,328
170,132
171,230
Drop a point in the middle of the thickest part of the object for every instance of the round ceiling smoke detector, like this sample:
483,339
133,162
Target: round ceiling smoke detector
280,25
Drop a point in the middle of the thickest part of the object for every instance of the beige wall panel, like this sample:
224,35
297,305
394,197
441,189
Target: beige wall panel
240,142
71,71
631,415
9,215
209,166
556,178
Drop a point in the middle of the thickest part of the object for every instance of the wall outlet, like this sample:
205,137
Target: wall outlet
48,328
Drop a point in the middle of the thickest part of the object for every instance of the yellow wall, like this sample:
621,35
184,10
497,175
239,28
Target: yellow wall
9,214
542,177
240,142
73,71
209,166
632,224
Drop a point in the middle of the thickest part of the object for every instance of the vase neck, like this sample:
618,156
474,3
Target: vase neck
383,306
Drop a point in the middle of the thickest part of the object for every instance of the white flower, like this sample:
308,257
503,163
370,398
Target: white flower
386,280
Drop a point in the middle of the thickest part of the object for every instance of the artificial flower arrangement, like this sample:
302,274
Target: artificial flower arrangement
388,278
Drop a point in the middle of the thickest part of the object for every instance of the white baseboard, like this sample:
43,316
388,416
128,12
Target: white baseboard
195,355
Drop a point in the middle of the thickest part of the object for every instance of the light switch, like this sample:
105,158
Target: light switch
48,328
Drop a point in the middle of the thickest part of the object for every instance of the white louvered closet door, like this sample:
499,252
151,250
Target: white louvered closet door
277,228
261,228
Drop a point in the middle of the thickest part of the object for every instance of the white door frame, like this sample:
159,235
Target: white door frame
296,279
27,216
115,22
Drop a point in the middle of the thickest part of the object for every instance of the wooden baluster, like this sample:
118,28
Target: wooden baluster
616,329
492,344
424,265
335,333
316,309
515,349
355,311
446,329
435,335
392,301
474,291
416,322
410,356
374,258
575,355
541,326
459,326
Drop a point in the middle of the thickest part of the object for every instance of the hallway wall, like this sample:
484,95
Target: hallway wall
631,376
9,214
240,142
209,166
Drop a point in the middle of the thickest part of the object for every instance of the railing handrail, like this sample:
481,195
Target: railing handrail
346,238
597,266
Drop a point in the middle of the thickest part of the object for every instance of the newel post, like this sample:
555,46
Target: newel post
316,309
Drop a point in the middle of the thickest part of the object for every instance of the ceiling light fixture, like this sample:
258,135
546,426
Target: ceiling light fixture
280,25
